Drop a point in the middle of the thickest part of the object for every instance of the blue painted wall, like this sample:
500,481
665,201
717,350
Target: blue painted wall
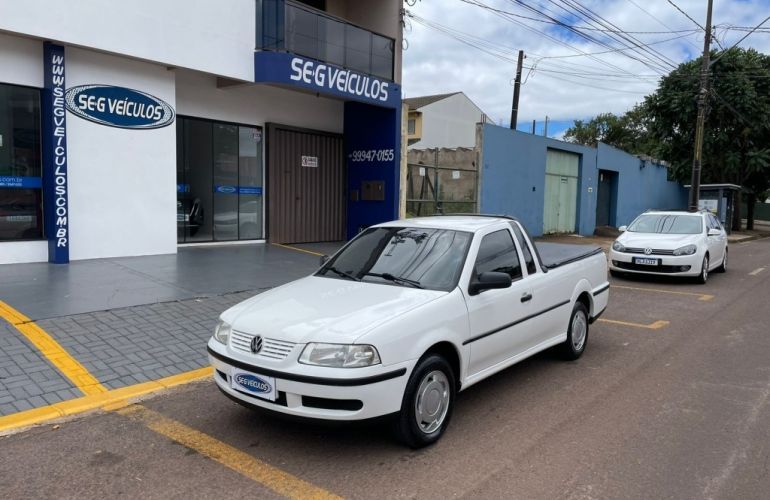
373,151
513,180
641,184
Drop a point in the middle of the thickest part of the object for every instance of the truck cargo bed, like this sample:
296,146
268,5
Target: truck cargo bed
553,255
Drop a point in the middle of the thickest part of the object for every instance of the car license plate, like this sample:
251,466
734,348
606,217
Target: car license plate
259,386
645,262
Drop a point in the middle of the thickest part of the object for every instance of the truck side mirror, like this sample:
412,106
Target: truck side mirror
488,281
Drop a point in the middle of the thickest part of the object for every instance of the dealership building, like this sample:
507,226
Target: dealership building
132,128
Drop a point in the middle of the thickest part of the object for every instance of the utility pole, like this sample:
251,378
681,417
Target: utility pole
545,130
516,90
533,126
700,124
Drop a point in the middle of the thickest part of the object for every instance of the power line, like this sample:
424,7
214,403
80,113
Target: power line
686,15
586,28
623,38
739,41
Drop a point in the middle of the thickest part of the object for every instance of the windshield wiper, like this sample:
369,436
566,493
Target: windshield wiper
342,273
396,279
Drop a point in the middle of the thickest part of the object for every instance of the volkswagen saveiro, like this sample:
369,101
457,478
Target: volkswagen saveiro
675,243
403,317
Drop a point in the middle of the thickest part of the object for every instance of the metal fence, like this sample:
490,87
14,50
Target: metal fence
435,189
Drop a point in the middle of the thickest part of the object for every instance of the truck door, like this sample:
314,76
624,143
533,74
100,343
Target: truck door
496,316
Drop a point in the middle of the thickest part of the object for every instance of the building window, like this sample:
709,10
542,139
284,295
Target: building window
219,181
410,126
21,207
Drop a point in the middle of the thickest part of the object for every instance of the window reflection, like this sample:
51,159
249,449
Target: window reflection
431,257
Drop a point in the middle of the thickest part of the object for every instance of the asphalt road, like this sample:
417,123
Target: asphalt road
673,411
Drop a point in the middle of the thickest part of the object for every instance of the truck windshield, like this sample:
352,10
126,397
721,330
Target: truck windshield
667,224
402,256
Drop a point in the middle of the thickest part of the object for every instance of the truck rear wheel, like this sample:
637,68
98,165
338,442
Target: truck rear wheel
577,333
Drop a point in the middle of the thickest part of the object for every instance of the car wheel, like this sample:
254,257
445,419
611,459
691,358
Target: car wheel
427,404
723,266
704,271
577,333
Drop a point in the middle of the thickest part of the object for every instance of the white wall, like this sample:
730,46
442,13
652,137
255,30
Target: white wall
122,183
449,123
21,60
197,95
208,35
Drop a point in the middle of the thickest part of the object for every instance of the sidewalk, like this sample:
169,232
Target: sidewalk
90,326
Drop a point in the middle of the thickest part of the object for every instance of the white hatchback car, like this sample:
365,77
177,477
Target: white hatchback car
676,243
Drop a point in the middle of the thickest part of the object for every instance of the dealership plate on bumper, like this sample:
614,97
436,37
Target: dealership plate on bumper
259,386
646,262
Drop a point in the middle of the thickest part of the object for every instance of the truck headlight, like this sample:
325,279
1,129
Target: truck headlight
618,246
339,355
686,250
222,332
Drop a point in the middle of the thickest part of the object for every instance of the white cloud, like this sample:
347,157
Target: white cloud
435,63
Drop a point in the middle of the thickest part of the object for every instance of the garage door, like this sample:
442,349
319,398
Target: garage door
561,184
306,185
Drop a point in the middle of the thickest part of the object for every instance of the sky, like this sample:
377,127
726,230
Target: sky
563,88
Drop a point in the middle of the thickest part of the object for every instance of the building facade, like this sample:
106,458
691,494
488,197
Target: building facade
443,121
559,187
132,128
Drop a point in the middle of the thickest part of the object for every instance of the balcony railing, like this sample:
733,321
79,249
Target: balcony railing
283,25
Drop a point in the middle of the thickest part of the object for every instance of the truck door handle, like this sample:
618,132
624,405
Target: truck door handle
526,297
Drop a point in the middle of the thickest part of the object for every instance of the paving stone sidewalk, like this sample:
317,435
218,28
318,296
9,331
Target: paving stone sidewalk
119,347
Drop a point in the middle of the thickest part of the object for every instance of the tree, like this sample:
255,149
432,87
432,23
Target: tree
623,131
736,143
736,148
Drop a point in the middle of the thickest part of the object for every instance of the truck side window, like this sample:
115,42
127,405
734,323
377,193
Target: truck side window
498,253
531,269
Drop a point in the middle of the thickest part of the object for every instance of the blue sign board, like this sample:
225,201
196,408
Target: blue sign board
11,181
325,78
255,190
55,189
119,107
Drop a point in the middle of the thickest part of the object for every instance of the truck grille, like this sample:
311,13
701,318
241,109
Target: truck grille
655,251
271,348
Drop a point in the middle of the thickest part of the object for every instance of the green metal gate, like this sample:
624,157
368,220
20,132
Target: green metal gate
561,185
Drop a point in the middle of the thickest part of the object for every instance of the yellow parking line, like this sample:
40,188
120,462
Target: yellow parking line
110,400
273,478
652,326
298,249
53,352
701,296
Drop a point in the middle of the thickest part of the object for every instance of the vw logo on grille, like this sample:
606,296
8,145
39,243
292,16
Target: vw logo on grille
256,344
648,251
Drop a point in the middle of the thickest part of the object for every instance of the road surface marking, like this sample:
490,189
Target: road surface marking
110,400
52,351
756,271
652,326
271,477
701,296
298,249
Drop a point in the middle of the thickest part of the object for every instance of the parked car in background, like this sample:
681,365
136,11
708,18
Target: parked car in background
403,317
673,243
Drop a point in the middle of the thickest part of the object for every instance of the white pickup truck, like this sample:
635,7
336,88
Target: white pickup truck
403,317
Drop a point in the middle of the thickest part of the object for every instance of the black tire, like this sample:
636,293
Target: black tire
406,427
723,266
703,277
573,347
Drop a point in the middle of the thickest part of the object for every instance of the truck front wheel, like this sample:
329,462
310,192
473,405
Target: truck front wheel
427,404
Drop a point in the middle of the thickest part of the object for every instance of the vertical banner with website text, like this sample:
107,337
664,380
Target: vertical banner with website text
55,189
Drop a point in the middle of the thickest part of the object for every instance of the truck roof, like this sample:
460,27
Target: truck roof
470,223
